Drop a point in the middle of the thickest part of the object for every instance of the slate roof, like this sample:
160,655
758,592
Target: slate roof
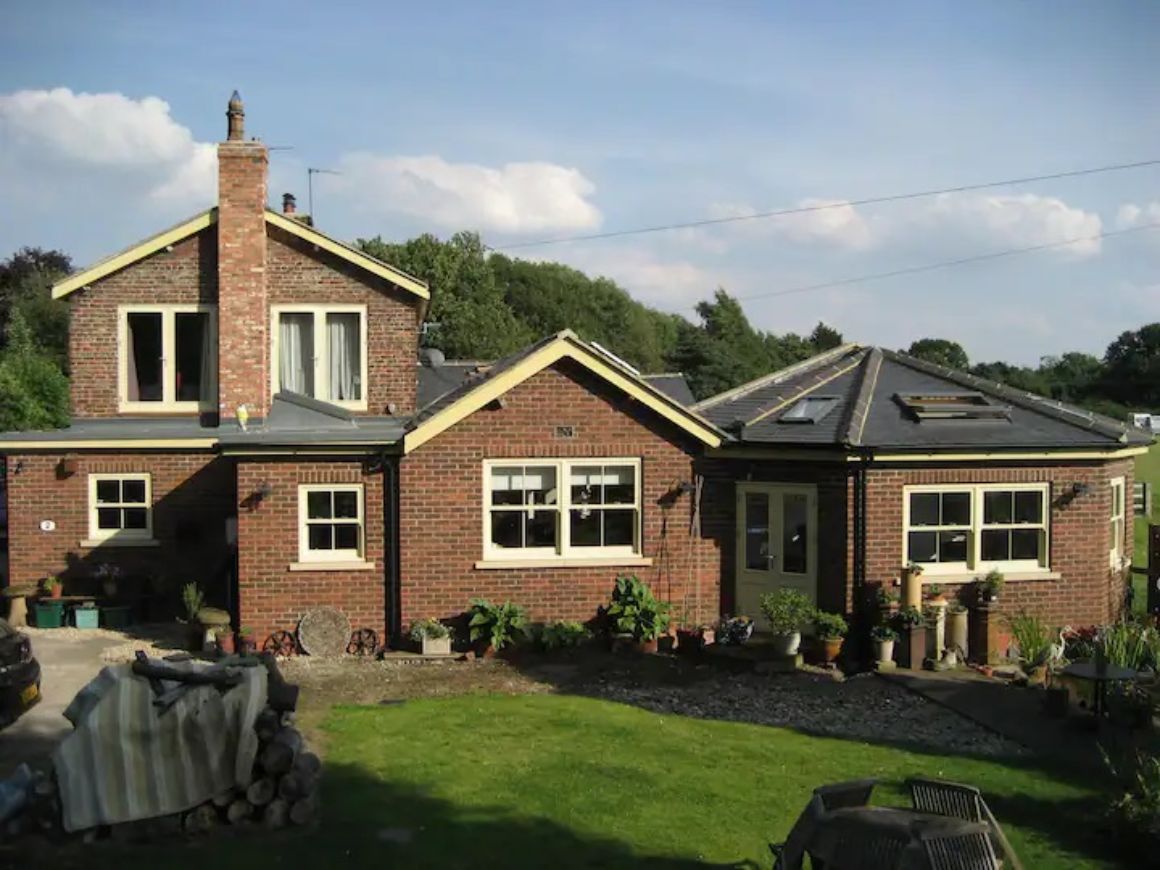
296,420
867,382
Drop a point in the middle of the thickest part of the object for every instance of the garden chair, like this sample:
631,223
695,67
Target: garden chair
959,801
960,851
855,793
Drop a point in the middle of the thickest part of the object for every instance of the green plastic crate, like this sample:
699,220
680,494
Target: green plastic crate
86,617
116,617
49,614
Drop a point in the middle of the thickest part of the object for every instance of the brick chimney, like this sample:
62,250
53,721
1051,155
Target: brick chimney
243,343
289,204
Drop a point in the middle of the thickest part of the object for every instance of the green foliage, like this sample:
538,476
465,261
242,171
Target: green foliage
992,583
908,617
26,279
1135,815
560,635
1130,644
787,610
192,598
883,633
1132,368
830,626
497,624
885,596
429,628
1032,636
940,351
50,584
33,390
635,610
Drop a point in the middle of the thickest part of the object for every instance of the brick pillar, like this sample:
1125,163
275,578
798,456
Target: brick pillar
243,315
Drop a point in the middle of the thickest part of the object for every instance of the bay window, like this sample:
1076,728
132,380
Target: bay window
167,357
320,352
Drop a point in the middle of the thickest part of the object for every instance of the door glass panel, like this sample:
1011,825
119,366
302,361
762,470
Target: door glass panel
757,531
794,534
194,354
144,374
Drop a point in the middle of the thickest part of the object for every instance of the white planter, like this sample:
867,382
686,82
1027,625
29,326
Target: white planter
437,646
786,644
884,650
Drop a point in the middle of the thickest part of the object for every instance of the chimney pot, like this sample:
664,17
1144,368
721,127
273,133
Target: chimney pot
236,119
289,203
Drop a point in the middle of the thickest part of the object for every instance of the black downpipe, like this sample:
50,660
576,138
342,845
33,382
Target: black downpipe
393,586
861,604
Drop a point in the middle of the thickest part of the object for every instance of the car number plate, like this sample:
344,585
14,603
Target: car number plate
29,694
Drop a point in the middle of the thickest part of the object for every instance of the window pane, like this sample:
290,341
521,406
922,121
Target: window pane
619,528
296,353
320,537
318,505
1029,507
619,485
585,482
346,504
109,491
134,518
506,529
1025,543
193,355
345,350
997,507
996,545
108,518
952,546
757,531
144,357
504,489
540,530
923,546
794,534
956,508
133,491
539,485
924,509
346,536
584,529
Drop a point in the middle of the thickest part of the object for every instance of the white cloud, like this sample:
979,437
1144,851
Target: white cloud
1012,221
1131,215
513,198
830,221
669,284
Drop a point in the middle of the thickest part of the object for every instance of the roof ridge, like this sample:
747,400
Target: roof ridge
773,377
860,407
1061,411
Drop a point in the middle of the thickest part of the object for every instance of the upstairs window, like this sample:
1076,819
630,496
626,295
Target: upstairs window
951,406
168,357
320,352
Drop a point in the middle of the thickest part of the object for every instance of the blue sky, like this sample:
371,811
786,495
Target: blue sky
532,120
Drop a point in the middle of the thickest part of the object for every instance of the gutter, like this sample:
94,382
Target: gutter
392,591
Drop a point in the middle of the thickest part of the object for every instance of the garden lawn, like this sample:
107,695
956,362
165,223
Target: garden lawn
556,781
1147,469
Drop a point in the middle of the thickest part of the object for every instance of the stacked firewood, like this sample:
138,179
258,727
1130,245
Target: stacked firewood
39,813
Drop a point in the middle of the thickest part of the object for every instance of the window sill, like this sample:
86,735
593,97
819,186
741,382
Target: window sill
92,543
331,566
570,562
972,576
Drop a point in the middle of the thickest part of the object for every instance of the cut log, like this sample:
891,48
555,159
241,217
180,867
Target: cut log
261,791
240,811
267,724
44,788
279,754
302,812
223,799
280,695
308,765
276,814
200,820
291,787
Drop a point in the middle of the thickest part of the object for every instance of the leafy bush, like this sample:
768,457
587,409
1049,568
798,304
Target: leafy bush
992,584
560,635
193,599
883,633
636,611
1135,815
908,617
830,626
1130,644
498,624
429,628
1032,637
787,610
885,596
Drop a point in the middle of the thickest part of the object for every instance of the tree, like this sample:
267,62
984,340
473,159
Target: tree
33,390
26,279
825,337
1132,368
940,351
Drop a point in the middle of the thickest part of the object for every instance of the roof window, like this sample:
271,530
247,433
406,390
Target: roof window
810,409
952,406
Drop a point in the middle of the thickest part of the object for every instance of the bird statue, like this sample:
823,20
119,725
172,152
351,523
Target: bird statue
1055,651
243,416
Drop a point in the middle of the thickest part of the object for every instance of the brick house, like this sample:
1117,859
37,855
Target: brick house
248,412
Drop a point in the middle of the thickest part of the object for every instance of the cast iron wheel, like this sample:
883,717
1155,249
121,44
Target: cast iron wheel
364,642
281,643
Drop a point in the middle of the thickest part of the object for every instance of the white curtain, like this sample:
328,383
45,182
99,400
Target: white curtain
131,361
345,361
296,353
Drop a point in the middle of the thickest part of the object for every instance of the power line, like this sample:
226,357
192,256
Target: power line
898,197
946,264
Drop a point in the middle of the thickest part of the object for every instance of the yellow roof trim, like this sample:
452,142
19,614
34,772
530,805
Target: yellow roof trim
140,251
563,347
351,255
111,444
1001,456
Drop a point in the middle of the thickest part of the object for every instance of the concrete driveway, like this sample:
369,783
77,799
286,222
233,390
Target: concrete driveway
68,660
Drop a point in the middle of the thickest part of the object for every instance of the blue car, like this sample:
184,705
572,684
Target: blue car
19,674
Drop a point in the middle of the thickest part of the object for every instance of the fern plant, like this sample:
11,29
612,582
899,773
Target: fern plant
193,599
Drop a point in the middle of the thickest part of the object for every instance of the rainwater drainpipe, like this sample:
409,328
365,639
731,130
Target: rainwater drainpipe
393,596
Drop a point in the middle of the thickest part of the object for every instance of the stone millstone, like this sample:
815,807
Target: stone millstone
324,632
212,617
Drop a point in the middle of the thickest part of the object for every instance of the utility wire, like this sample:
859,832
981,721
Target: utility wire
898,197
945,264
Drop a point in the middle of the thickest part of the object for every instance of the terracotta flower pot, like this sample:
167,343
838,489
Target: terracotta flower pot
648,647
225,643
828,648
56,591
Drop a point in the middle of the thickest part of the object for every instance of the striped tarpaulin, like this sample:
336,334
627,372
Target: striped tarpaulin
127,760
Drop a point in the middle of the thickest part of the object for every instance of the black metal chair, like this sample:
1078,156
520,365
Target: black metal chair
838,795
960,851
959,801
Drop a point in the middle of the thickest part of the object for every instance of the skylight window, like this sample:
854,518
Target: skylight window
952,406
810,409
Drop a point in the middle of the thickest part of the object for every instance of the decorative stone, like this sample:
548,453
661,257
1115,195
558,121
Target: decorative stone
324,632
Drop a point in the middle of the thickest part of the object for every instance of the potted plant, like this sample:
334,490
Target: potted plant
52,587
108,575
494,626
223,637
991,585
831,629
433,636
192,599
637,613
887,600
884,637
787,610
563,635
734,630
247,644
934,594
910,627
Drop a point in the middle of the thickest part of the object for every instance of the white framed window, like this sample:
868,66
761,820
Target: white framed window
952,529
320,351
120,507
330,523
561,508
1118,522
167,357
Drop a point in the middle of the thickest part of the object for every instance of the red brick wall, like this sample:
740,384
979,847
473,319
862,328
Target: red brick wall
296,275
273,597
187,274
192,496
442,491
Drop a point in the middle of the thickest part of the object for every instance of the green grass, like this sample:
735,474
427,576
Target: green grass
1147,469
559,781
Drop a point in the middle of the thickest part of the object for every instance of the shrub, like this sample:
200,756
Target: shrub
1031,635
1130,644
908,617
429,628
498,624
193,599
787,610
883,633
885,596
636,611
1135,815
734,630
561,635
1079,644
830,626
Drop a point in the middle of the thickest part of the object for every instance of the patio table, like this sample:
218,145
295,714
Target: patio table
1101,677
880,836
